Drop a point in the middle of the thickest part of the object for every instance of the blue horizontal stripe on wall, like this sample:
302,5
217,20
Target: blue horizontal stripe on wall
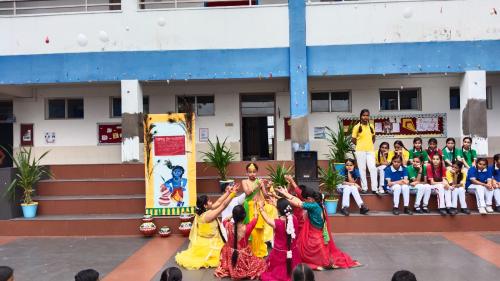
397,58
364,59
144,65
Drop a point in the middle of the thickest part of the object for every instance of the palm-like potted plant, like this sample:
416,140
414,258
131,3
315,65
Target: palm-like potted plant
277,175
329,179
340,145
28,173
219,156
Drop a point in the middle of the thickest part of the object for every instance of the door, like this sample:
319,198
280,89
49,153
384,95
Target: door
6,132
258,126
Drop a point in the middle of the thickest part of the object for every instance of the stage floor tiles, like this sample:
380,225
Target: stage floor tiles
431,256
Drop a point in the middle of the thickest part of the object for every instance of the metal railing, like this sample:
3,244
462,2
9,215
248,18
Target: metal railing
173,4
31,7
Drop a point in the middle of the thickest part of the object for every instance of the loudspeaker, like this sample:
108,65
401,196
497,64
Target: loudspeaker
306,165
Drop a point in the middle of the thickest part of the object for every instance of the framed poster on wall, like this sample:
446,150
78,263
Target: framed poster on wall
109,133
26,134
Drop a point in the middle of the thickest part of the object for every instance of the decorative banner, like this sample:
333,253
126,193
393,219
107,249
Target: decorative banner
170,164
26,134
404,126
110,133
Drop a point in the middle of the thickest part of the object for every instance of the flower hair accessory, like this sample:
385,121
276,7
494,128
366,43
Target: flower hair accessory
289,254
290,229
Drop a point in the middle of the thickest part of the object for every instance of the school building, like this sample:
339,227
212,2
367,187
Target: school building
263,74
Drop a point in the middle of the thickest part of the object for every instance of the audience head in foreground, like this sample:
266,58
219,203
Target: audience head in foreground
403,275
302,272
6,273
171,274
87,275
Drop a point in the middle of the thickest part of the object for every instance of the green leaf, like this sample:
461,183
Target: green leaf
277,174
329,179
340,145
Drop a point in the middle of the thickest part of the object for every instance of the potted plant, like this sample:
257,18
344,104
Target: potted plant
329,179
277,175
340,145
28,173
219,156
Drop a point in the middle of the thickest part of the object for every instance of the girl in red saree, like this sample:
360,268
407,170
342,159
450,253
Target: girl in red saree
236,259
315,242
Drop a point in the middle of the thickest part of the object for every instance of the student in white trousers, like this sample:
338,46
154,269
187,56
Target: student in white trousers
456,177
396,178
381,161
350,187
436,173
495,171
480,182
363,136
417,174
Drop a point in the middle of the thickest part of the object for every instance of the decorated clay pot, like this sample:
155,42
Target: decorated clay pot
164,231
147,228
186,217
185,228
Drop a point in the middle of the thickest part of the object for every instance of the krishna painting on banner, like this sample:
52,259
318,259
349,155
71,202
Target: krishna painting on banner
170,164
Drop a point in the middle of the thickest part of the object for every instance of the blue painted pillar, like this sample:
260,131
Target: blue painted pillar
299,108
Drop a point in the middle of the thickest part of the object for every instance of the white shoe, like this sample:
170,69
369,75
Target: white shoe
482,211
489,209
381,191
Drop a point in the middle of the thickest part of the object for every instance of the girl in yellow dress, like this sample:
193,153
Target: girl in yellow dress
206,239
255,190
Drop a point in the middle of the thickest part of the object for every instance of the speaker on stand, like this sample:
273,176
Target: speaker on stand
306,169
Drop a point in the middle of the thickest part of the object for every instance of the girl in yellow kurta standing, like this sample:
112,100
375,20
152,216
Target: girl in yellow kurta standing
205,238
255,190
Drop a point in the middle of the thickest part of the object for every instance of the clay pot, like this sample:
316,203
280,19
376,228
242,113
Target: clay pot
147,228
185,228
164,231
186,217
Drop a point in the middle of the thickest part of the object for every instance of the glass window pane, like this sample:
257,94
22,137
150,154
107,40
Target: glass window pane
6,110
409,99
57,109
185,104
270,121
454,98
206,105
116,107
388,100
145,105
75,108
340,101
319,102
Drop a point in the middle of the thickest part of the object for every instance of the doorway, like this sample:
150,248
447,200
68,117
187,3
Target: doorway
6,132
258,126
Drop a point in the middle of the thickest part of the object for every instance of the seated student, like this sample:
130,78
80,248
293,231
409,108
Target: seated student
456,177
396,178
403,275
469,155
87,275
479,182
495,171
418,151
436,175
381,162
171,274
6,273
399,149
417,175
433,149
450,153
349,186
302,272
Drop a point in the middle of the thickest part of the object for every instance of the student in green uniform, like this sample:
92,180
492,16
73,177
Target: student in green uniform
418,151
469,154
450,153
417,174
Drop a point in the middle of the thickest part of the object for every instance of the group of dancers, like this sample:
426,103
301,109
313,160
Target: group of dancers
290,221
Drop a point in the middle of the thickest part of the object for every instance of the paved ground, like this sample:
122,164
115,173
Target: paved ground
456,256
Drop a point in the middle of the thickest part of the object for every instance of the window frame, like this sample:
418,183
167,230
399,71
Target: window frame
195,103
111,98
419,99
330,99
47,108
449,93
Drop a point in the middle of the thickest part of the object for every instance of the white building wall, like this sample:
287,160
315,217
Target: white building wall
367,22
76,140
